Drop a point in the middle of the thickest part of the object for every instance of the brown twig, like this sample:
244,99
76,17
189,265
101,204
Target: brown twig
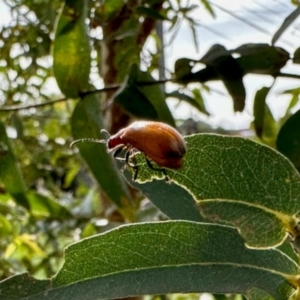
20,107
287,75
107,89
81,96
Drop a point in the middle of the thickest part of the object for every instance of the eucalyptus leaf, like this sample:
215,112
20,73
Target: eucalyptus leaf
286,24
296,56
261,58
208,7
150,13
203,75
197,101
71,51
170,257
183,69
214,52
22,286
229,71
110,9
10,172
259,108
142,100
235,180
42,206
86,123
259,294
173,200
270,128
288,140
200,101
294,100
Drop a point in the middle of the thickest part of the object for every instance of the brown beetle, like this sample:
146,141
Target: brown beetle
158,141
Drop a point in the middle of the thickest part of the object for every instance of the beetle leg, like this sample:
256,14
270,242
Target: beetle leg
133,166
124,159
128,152
118,151
136,171
158,169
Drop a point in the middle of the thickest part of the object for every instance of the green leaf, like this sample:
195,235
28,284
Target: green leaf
239,182
261,58
10,172
86,122
6,227
150,13
22,286
270,128
193,24
296,56
110,9
143,101
71,51
165,257
174,201
135,103
17,124
229,71
197,102
294,100
286,23
208,7
183,69
203,75
213,54
267,228
258,294
200,101
237,91
288,140
288,249
42,206
259,108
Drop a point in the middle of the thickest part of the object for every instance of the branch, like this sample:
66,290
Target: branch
107,89
19,107
288,75
81,95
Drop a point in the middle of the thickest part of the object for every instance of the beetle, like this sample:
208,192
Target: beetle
158,141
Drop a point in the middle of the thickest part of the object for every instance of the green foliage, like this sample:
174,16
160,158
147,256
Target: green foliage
288,140
86,121
72,42
233,179
229,71
286,23
198,101
261,58
221,65
233,208
212,162
128,256
24,50
10,173
145,102
264,123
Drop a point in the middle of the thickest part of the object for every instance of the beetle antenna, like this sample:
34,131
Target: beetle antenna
106,132
88,140
91,140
